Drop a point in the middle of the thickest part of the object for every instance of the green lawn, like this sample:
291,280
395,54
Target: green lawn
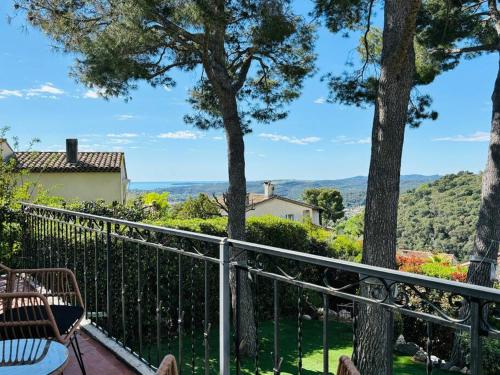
340,342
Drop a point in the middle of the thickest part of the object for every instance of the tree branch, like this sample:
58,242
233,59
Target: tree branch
222,205
176,32
459,51
242,76
365,38
171,66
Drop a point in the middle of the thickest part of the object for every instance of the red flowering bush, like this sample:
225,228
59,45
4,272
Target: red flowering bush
435,266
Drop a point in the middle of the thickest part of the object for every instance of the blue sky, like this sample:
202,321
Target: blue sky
318,140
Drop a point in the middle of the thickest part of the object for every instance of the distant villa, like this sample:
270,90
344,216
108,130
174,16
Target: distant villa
271,204
73,175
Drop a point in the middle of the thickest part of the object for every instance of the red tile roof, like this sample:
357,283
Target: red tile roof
56,162
255,199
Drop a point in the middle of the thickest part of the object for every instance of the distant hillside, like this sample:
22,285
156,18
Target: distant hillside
353,189
441,215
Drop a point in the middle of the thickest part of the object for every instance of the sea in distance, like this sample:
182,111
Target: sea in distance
163,185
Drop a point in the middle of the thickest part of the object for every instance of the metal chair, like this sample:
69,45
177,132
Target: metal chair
168,366
41,303
346,367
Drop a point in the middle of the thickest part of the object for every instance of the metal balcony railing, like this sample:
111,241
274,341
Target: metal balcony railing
158,290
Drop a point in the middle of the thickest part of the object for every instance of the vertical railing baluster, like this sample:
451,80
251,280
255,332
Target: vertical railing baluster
256,319
206,324
224,308
326,314
66,243
139,297
108,275
299,330
169,305
51,243
158,306
75,244
475,336
24,220
428,348
237,313
85,271
56,232
193,363
60,240
40,243
37,241
354,334
276,314
96,243
180,313
124,329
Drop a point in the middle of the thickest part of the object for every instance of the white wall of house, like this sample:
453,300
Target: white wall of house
284,209
5,150
88,186
124,181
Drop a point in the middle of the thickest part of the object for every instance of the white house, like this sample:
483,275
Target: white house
5,150
73,175
276,205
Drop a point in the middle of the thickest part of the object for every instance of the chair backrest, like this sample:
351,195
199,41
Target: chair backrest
346,367
168,366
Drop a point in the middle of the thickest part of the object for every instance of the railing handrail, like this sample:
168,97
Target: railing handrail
470,290
155,228
464,289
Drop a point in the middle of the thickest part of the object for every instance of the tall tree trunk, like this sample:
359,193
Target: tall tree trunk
488,224
485,250
373,352
236,201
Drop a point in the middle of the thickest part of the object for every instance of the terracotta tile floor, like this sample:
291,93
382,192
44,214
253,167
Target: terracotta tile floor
98,360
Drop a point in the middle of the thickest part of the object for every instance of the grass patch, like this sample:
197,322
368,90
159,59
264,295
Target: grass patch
339,338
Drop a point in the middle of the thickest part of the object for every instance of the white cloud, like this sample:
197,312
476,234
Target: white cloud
320,100
124,117
218,138
285,138
93,94
351,141
120,141
90,147
476,137
48,88
320,150
122,135
46,91
6,93
180,134
167,88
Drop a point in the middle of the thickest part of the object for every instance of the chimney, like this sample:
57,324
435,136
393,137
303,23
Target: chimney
72,151
268,189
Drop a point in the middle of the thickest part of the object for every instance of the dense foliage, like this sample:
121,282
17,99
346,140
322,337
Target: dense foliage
330,200
441,215
200,206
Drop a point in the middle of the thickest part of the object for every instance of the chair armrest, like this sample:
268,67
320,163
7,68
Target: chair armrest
57,284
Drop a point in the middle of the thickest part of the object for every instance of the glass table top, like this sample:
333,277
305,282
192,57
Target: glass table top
35,356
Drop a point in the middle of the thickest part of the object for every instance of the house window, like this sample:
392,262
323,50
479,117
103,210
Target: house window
290,216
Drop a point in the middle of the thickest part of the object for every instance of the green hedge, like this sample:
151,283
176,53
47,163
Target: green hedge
266,230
